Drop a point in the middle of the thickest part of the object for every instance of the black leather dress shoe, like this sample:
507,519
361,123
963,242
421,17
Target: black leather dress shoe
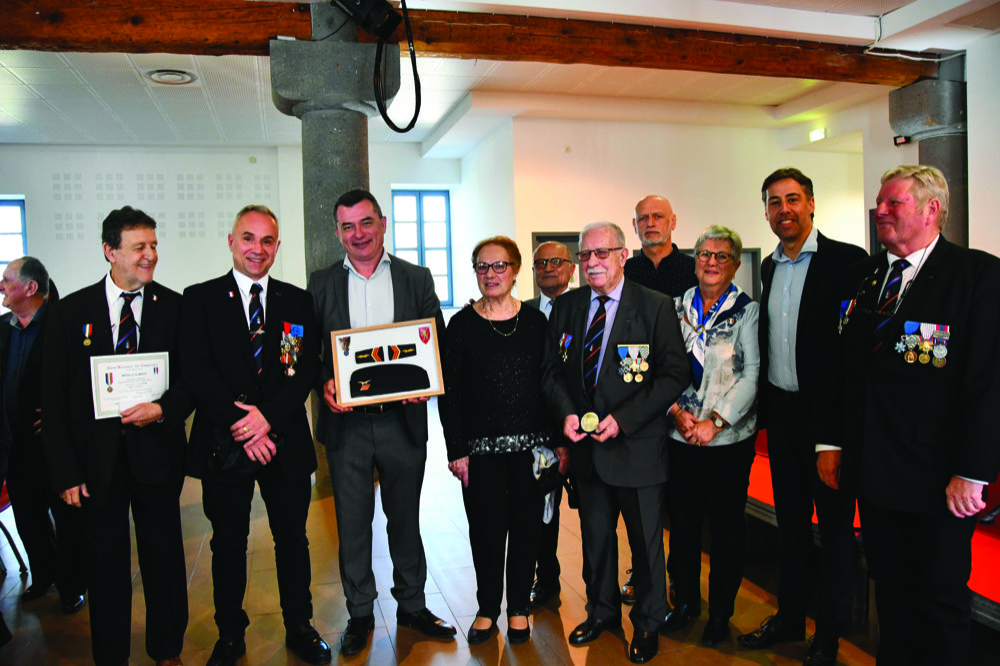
477,636
628,590
678,618
426,623
72,603
772,630
36,591
542,593
355,638
716,631
306,642
589,630
822,651
645,645
227,652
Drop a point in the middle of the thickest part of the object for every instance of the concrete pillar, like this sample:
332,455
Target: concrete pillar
933,112
327,83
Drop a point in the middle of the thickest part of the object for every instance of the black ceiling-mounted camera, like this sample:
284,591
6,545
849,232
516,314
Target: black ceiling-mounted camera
374,16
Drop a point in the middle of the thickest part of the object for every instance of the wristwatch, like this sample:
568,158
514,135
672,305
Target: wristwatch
717,420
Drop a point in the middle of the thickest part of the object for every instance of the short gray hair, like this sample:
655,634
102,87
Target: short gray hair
719,232
256,208
33,269
596,226
926,183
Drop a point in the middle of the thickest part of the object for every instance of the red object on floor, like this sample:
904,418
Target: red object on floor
985,579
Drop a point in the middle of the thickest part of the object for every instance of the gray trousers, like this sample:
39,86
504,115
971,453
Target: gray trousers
379,442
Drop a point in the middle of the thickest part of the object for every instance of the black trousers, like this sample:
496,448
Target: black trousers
55,554
796,484
227,506
160,548
503,506
712,480
548,569
642,511
921,566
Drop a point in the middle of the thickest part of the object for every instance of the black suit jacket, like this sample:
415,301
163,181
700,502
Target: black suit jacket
19,428
910,427
413,297
218,368
637,457
816,330
81,449
534,302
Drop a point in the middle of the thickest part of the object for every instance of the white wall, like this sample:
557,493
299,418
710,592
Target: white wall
568,173
192,194
983,96
482,207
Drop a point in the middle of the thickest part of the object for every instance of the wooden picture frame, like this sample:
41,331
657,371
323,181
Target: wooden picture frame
387,363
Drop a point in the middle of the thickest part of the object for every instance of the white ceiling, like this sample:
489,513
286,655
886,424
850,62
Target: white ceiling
105,99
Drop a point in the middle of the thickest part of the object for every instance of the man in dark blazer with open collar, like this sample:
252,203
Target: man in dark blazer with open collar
108,466
250,357
921,384
54,555
798,328
371,288
620,467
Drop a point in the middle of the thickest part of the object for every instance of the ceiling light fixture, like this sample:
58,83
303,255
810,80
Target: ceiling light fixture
171,77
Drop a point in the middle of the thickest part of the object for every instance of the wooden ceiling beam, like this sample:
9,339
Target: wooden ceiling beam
239,27
533,39
199,27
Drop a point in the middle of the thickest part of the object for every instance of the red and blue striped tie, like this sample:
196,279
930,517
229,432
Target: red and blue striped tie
592,346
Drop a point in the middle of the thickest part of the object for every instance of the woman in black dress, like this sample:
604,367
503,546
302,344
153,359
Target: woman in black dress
494,416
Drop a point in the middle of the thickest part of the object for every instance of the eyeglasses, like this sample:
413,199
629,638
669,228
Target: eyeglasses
601,252
720,257
542,263
498,267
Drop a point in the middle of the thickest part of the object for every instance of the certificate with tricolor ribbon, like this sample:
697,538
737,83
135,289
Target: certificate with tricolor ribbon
120,381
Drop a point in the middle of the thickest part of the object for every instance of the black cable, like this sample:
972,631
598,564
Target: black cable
379,80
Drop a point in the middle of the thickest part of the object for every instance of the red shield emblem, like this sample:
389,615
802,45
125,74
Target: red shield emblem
425,334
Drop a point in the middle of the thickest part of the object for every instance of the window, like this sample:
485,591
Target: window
12,238
421,233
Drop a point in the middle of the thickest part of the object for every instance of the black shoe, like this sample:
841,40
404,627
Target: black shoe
678,618
518,636
307,644
36,591
716,631
355,638
645,645
589,630
227,652
628,590
477,636
822,652
542,593
772,630
72,603
426,623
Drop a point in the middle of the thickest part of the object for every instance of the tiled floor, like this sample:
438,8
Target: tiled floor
43,636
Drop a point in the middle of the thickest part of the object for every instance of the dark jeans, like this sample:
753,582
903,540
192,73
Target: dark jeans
503,506
796,484
227,506
712,480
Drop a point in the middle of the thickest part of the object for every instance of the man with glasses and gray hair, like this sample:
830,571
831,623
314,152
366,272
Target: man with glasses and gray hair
614,362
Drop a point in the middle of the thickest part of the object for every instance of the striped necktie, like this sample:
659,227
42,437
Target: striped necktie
592,346
256,312
890,295
128,331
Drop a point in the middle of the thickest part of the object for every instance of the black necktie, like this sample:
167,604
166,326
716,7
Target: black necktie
592,346
256,312
128,332
890,295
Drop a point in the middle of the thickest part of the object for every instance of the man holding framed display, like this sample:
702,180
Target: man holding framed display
388,437
107,466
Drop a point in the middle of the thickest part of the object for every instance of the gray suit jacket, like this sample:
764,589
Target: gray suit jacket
413,298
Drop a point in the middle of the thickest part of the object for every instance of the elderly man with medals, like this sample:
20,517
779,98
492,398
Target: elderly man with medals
712,443
620,462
